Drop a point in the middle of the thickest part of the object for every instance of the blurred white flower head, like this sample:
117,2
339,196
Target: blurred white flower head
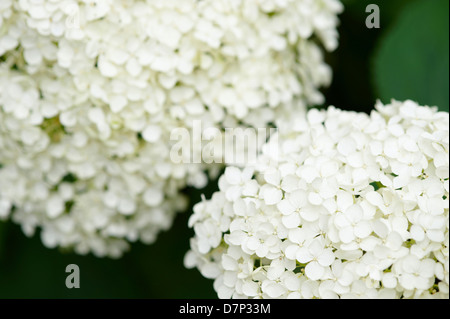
90,91
352,206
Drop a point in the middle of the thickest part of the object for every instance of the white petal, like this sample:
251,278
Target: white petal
346,146
117,103
314,198
233,175
262,251
106,68
233,193
326,258
346,235
250,288
407,281
247,173
394,240
291,281
126,206
272,195
240,207
203,246
253,99
375,199
297,235
401,181
236,237
341,221
298,198
49,238
391,148
289,183
369,243
5,207
376,148
275,270
362,229
250,188
308,173
303,255
354,213
153,197
310,214
344,200
356,160
380,228
55,207
427,268
315,116
253,243
291,252
32,56
291,221
210,270
314,271
227,97
389,280
273,177
329,168
162,64
435,205
417,233
230,278
436,235
229,263
285,207
274,290
152,133
133,67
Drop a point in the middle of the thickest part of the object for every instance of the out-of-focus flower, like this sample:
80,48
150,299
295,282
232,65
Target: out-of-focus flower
91,90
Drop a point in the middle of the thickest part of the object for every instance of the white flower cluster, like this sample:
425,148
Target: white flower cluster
348,206
90,91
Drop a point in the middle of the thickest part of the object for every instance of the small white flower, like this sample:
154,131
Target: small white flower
414,273
316,257
351,224
271,191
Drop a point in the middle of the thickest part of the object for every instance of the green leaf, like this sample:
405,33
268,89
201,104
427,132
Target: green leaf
2,237
412,61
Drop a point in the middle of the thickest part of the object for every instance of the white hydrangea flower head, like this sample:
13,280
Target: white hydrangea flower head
339,205
91,90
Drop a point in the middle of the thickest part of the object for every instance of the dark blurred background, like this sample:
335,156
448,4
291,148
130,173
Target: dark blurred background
407,58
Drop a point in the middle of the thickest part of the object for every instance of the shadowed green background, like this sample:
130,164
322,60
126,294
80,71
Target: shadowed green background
408,57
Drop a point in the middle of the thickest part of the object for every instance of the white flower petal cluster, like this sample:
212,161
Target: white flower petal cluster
91,90
339,205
